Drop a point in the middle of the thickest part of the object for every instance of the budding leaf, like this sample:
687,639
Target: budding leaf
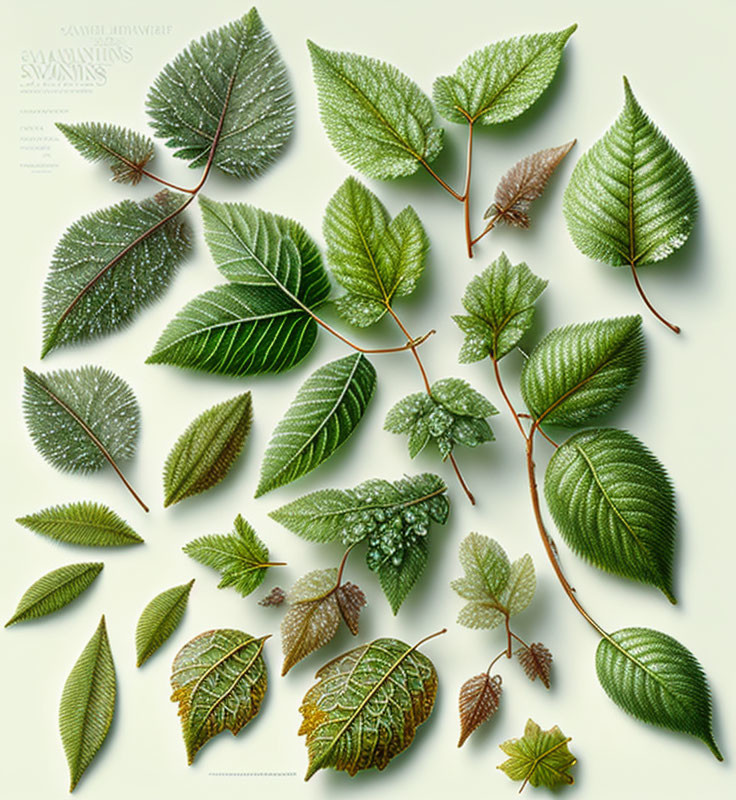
479,700
541,758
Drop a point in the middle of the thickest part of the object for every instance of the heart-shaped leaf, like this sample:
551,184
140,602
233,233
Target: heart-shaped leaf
159,619
87,524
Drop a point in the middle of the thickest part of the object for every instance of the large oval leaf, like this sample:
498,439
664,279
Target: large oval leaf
88,524
159,619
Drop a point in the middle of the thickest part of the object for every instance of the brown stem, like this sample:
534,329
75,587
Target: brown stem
500,655
508,637
466,193
427,638
156,178
341,568
460,478
670,325
410,345
489,227
519,640
440,181
499,382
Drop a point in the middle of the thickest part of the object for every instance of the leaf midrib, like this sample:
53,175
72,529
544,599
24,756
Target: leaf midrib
22,614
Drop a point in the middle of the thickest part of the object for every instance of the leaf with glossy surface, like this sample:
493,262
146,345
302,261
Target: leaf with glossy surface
479,700
539,757
159,619
83,523
536,661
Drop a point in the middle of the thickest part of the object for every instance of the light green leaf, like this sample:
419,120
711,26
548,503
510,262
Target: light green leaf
55,590
521,585
541,758
500,81
376,117
87,704
487,570
159,619
205,452
234,76
657,680
582,371
87,524
326,410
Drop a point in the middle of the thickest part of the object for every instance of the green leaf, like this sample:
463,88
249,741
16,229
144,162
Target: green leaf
111,264
521,586
366,706
87,704
500,81
233,75
326,410
372,256
83,523
159,619
126,151
399,570
657,680
582,371
500,305
613,503
240,557
376,117
541,758
205,452
55,590
219,680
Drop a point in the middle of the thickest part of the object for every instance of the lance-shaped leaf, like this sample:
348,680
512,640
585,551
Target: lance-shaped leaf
109,265
500,81
376,117
219,680
657,680
500,305
366,706
159,619
479,700
54,591
228,90
205,452
613,503
87,704
375,258
539,757
536,661
578,372
326,410
83,523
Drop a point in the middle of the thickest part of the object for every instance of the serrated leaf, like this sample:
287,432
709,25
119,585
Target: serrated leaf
366,706
541,758
274,598
578,372
613,503
521,585
159,619
326,410
401,569
205,452
233,76
500,81
376,117
350,601
83,523
87,704
219,680
536,661
111,264
55,590
479,700
654,678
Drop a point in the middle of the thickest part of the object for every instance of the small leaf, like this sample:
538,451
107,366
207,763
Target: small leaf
479,700
219,680
536,661
350,601
521,585
83,523
274,598
487,571
376,117
205,452
87,704
55,590
159,619
399,568
657,680
541,758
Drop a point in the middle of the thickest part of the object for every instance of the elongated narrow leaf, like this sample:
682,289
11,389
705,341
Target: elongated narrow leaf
613,503
219,680
376,117
655,679
232,77
479,700
326,410
87,704
579,372
54,591
205,452
84,523
159,619
109,265
500,81
539,757
366,706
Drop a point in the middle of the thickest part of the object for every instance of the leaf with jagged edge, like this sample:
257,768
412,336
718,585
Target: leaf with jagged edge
219,679
366,706
159,619
400,569
539,757
55,590
613,503
500,305
521,585
376,117
479,700
326,410
111,264
487,571
233,76
536,661
656,679
87,704
274,598
500,81
578,372
83,523
350,601
205,452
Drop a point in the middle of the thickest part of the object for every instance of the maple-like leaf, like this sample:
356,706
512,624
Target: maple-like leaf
479,699
541,758
536,661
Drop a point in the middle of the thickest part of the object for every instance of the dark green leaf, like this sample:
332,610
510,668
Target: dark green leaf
88,524
159,619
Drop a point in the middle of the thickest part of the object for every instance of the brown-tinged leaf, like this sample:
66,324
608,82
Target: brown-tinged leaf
536,661
274,598
479,699
350,600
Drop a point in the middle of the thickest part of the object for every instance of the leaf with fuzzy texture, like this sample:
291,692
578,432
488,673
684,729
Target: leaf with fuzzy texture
274,598
521,585
479,700
541,758
159,619
536,661
205,452
83,523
